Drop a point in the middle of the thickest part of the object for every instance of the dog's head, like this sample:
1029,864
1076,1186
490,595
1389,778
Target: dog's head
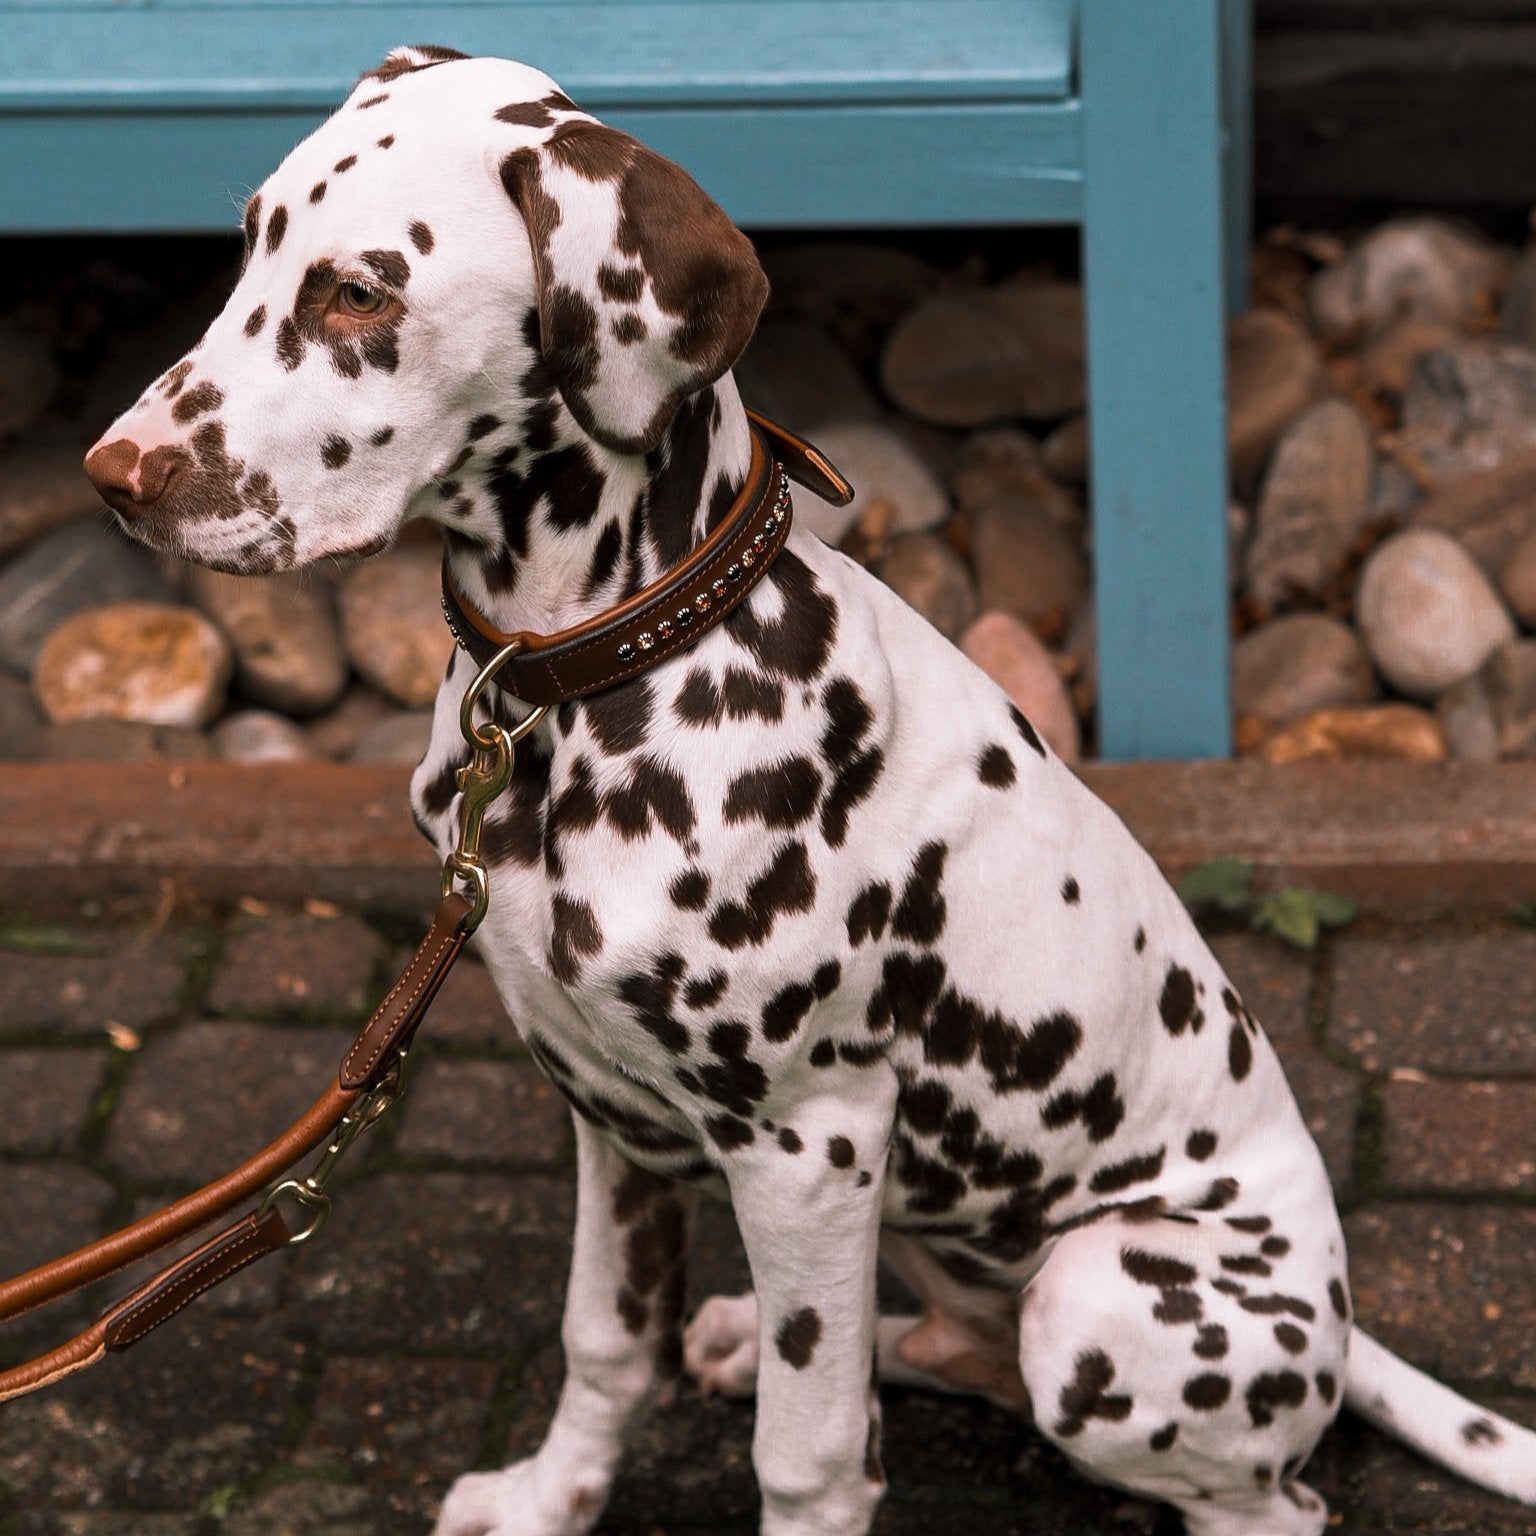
459,258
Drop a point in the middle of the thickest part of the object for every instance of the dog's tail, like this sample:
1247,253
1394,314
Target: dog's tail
1412,1407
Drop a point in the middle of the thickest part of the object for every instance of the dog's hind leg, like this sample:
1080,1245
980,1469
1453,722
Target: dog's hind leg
622,1339
1192,1358
720,1349
964,1341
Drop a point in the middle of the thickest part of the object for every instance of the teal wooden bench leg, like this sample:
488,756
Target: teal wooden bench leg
1153,259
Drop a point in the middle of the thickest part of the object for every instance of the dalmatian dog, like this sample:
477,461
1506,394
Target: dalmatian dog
807,916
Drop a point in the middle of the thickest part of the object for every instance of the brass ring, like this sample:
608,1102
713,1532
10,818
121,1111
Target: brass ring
487,738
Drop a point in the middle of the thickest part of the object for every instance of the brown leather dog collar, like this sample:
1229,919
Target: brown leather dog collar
677,608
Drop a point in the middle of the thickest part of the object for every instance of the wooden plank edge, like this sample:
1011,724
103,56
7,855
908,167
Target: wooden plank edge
217,831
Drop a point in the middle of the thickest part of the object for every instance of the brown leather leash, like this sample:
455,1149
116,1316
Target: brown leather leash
655,624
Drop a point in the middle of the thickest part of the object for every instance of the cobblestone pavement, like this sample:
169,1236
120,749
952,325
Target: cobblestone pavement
339,1388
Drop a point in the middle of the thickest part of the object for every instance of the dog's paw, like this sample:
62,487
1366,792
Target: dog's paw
720,1346
517,1501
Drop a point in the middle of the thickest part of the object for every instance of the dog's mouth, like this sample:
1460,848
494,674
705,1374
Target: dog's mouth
169,538
353,555
265,556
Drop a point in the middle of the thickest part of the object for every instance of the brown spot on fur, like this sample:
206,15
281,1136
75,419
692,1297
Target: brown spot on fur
525,114
787,885
868,913
706,991
1212,1343
1338,1300
728,1132
782,794
798,1336
784,1012
690,890
620,285
592,150
251,223
1272,1390
1086,1396
1156,1268
574,934
277,227
996,768
1239,1053
1290,1338
171,383
799,641
1134,1170
197,401
1207,1392
1177,1003
628,330
388,266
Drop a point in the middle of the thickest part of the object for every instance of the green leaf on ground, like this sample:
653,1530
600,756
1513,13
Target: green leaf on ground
1524,913
1298,916
219,1504
1224,884
1334,910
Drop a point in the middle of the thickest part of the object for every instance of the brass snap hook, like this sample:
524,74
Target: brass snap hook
310,1191
482,779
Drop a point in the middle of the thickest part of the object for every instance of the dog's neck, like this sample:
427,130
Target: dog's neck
566,527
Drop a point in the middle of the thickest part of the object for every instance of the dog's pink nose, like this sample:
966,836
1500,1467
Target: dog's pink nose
130,482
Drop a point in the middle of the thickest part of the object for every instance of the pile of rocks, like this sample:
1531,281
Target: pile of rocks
1387,584
1383,515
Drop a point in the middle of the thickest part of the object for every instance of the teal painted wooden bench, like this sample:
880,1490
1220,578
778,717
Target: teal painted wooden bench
1124,117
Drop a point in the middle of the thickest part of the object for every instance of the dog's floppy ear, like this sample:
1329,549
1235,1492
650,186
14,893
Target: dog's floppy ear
646,290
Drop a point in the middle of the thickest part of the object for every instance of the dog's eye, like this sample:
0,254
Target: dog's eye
360,299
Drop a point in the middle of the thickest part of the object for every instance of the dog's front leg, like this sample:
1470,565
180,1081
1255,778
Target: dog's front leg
810,1218
622,1338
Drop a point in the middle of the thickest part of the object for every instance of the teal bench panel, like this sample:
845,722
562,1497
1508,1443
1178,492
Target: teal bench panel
191,53
791,112
134,171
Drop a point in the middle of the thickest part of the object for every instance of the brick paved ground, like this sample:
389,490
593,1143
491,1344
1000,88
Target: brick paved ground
340,1388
